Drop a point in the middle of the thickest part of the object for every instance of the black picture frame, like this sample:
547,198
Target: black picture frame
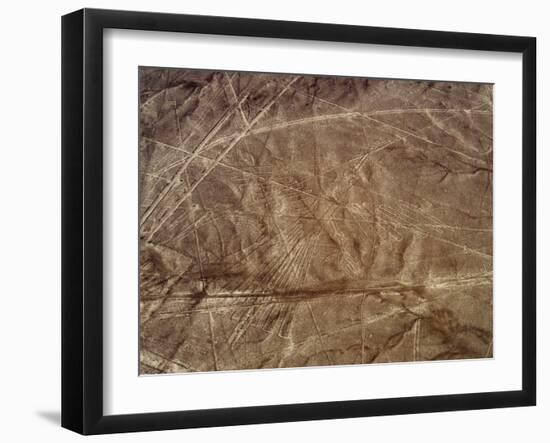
82,218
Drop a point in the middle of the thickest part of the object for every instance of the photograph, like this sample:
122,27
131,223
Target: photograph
291,220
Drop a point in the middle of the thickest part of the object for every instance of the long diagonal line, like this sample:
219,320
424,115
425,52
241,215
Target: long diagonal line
235,98
175,180
216,162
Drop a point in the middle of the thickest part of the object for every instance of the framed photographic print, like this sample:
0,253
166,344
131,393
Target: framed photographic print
270,221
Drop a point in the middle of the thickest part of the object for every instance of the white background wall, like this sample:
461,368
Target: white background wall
30,218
